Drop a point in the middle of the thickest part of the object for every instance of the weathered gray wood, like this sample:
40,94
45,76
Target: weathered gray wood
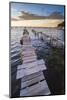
27,52
29,57
32,64
26,43
44,92
28,71
32,81
30,77
29,60
35,89
27,48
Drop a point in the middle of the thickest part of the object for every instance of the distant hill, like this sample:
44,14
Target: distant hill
61,25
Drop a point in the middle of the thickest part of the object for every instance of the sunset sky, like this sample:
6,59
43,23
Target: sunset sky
28,15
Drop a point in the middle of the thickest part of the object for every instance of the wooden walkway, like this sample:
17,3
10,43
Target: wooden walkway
30,72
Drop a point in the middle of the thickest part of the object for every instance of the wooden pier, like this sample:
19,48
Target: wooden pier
31,71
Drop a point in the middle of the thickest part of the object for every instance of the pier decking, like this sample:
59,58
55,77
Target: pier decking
31,71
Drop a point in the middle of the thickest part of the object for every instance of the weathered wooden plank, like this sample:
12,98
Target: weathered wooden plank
30,77
28,71
27,65
20,74
32,81
27,46
26,39
32,64
29,57
39,87
35,69
35,89
29,60
26,43
27,52
42,66
44,92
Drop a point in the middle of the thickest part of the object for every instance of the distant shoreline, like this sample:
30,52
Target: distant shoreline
37,27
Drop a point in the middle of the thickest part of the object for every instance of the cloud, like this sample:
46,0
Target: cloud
15,12
29,16
14,19
56,15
